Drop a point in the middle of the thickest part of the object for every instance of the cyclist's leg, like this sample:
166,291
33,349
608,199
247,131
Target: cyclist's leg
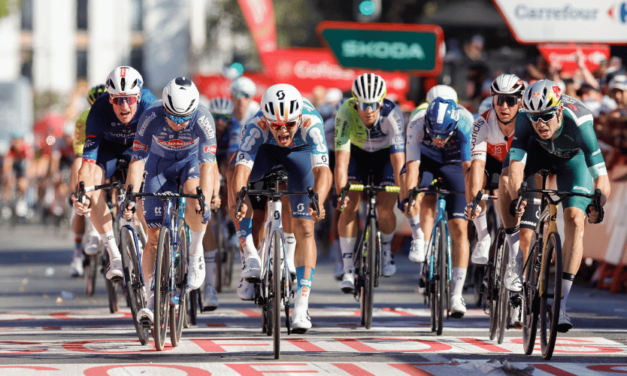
78,227
348,227
529,220
387,217
480,253
290,238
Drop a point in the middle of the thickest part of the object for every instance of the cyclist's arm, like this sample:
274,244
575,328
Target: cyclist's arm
474,178
396,139
415,134
93,137
207,177
516,177
594,159
252,139
240,179
342,158
397,160
342,148
135,173
76,165
322,182
518,154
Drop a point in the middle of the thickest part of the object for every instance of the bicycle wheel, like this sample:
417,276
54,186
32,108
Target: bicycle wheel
162,289
276,287
441,278
503,300
370,272
177,312
192,307
220,255
112,290
91,272
493,272
133,281
551,294
531,300
230,258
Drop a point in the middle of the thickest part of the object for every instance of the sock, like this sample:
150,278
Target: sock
567,283
513,235
414,225
195,245
304,276
245,233
78,245
290,249
481,224
347,246
109,241
210,265
459,276
386,242
337,251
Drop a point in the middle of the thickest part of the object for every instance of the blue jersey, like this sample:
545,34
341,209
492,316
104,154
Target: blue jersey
103,123
309,134
229,140
156,138
456,149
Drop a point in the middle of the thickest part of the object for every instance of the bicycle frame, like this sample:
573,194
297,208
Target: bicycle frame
371,212
273,225
441,216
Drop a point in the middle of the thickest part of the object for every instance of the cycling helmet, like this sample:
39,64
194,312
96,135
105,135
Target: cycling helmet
485,105
243,85
95,92
282,103
180,97
124,81
441,91
507,84
221,106
369,88
542,96
442,116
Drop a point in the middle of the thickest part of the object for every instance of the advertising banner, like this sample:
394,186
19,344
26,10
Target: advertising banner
259,16
566,55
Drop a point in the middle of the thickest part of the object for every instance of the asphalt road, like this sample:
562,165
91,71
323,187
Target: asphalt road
48,326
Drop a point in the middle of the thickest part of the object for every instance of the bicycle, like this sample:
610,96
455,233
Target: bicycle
169,281
226,252
274,288
368,257
438,271
543,269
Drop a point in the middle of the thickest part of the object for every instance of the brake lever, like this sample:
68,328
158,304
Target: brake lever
313,196
343,194
240,200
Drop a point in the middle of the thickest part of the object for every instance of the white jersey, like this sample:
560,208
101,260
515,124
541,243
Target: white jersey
487,138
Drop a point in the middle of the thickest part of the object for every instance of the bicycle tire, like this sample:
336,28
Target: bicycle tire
530,296
230,260
91,272
503,302
112,291
370,272
177,312
493,273
162,289
192,307
431,281
549,313
276,303
442,277
133,285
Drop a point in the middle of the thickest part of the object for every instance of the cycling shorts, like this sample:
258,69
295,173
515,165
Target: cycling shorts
572,174
108,154
19,168
452,176
162,176
363,163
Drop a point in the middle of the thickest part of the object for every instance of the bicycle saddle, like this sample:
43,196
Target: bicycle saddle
277,173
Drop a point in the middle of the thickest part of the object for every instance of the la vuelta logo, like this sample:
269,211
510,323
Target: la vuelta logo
618,12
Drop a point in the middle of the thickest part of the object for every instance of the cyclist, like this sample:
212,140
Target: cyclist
79,222
244,107
16,164
492,135
438,146
369,136
416,251
287,131
110,130
557,134
227,136
175,141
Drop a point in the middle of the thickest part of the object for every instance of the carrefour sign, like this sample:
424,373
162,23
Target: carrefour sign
410,48
578,21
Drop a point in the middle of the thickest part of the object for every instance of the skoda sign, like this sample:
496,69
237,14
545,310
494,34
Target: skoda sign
566,21
415,49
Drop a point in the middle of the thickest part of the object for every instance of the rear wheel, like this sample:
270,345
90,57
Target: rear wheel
177,312
551,295
503,300
133,281
442,277
531,301
92,264
112,288
192,307
276,294
162,288
370,272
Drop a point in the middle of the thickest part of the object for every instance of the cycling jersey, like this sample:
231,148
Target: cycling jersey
310,133
23,153
575,135
103,124
487,137
456,149
79,133
387,131
229,140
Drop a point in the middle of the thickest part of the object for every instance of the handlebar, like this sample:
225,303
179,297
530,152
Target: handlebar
366,188
167,196
313,196
437,184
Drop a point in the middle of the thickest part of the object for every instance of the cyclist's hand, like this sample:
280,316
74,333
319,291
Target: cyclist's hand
342,205
215,203
314,215
521,210
468,211
80,208
238,216
129,210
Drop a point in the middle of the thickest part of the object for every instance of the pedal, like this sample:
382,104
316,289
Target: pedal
145,323
116,280
253,279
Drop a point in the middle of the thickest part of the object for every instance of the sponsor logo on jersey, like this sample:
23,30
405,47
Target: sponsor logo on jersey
261,124
147,121
205,124
139,146
89,143
211,149
307,123
583,189
175,144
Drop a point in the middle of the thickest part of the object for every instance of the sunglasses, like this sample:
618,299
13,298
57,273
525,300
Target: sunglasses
365,106
118,101
289,125
443,136
178,119
510,100
239,94
221,117
545,117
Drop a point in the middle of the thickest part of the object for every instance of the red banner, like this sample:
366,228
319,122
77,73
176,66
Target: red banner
259,16
566,55
216,85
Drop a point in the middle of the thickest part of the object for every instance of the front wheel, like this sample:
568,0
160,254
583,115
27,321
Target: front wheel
441,278
162,289
370,271
503,300
132,279
276,287
551,294
531,299
177,312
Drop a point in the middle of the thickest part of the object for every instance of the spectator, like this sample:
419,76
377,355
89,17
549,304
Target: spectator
617,90
474,48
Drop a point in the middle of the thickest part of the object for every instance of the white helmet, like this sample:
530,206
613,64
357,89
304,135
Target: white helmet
369,88
243,85
542,96
124,81
507,84
221,106
180,97
282,103
441,91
